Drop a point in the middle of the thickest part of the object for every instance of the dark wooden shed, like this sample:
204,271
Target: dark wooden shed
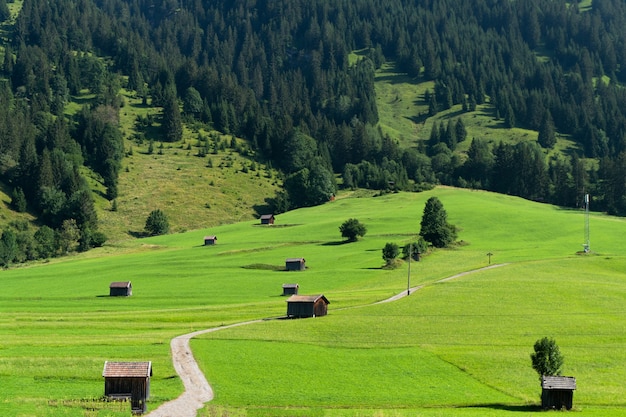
267,219
121,288
557,392
290,289
295,264
210,240
128,380
302,306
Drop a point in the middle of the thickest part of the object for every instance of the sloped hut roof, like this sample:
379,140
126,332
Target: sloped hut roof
558,382
127,369
120,284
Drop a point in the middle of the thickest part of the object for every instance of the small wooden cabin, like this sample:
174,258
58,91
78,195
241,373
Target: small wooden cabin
267,219
302,306
128,380
557,392
210,240
290,289
295,264
121,289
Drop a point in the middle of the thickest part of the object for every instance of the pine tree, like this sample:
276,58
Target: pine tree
547,137
172,122
157,223
434,225
461,132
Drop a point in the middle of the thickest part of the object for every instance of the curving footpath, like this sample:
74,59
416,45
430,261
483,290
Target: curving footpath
197,389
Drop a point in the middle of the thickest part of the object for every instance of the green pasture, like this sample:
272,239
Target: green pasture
455,347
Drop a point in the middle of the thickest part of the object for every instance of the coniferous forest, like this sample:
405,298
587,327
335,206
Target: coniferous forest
279,75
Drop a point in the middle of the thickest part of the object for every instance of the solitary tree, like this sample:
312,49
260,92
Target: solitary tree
390,252
434,226
547,359
157,223
351,229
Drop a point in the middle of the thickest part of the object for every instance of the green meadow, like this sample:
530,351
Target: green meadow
458,347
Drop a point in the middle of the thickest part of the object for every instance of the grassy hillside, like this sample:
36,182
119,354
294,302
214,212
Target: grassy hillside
227,185
403,115
457,347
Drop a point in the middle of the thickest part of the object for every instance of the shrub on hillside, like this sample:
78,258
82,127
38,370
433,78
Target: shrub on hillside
157,223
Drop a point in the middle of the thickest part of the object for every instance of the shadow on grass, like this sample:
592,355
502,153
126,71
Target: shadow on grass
136,234
341,242
525,408
276,226
266,267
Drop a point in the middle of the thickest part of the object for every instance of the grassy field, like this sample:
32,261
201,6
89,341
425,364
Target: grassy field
458,347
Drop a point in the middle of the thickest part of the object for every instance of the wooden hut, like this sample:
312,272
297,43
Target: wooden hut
557,392
295,264
128,380
121,289
210,240
267,219
302,306
290,289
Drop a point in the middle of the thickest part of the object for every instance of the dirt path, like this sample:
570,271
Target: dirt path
197,389
413,289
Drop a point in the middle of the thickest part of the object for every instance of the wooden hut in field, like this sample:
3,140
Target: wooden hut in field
557,392
303,306
210,240
295,264
128,380
267,219
290,289
121,289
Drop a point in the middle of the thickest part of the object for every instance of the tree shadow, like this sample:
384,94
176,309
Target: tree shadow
261,209
336,243
136,234
524,408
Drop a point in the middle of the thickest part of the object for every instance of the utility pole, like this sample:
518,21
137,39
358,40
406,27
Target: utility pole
408,280
586,246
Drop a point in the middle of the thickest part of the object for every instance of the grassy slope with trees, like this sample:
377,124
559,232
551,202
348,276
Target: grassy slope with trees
290,87
196,195
473,335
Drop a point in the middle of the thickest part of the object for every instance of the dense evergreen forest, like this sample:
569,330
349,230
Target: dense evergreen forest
279,75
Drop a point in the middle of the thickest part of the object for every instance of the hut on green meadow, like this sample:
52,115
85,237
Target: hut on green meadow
128,380
290,289
557,392
267,219
121,289
295,264
303,306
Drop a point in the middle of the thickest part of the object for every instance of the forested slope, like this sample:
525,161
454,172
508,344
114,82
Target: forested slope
279,75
